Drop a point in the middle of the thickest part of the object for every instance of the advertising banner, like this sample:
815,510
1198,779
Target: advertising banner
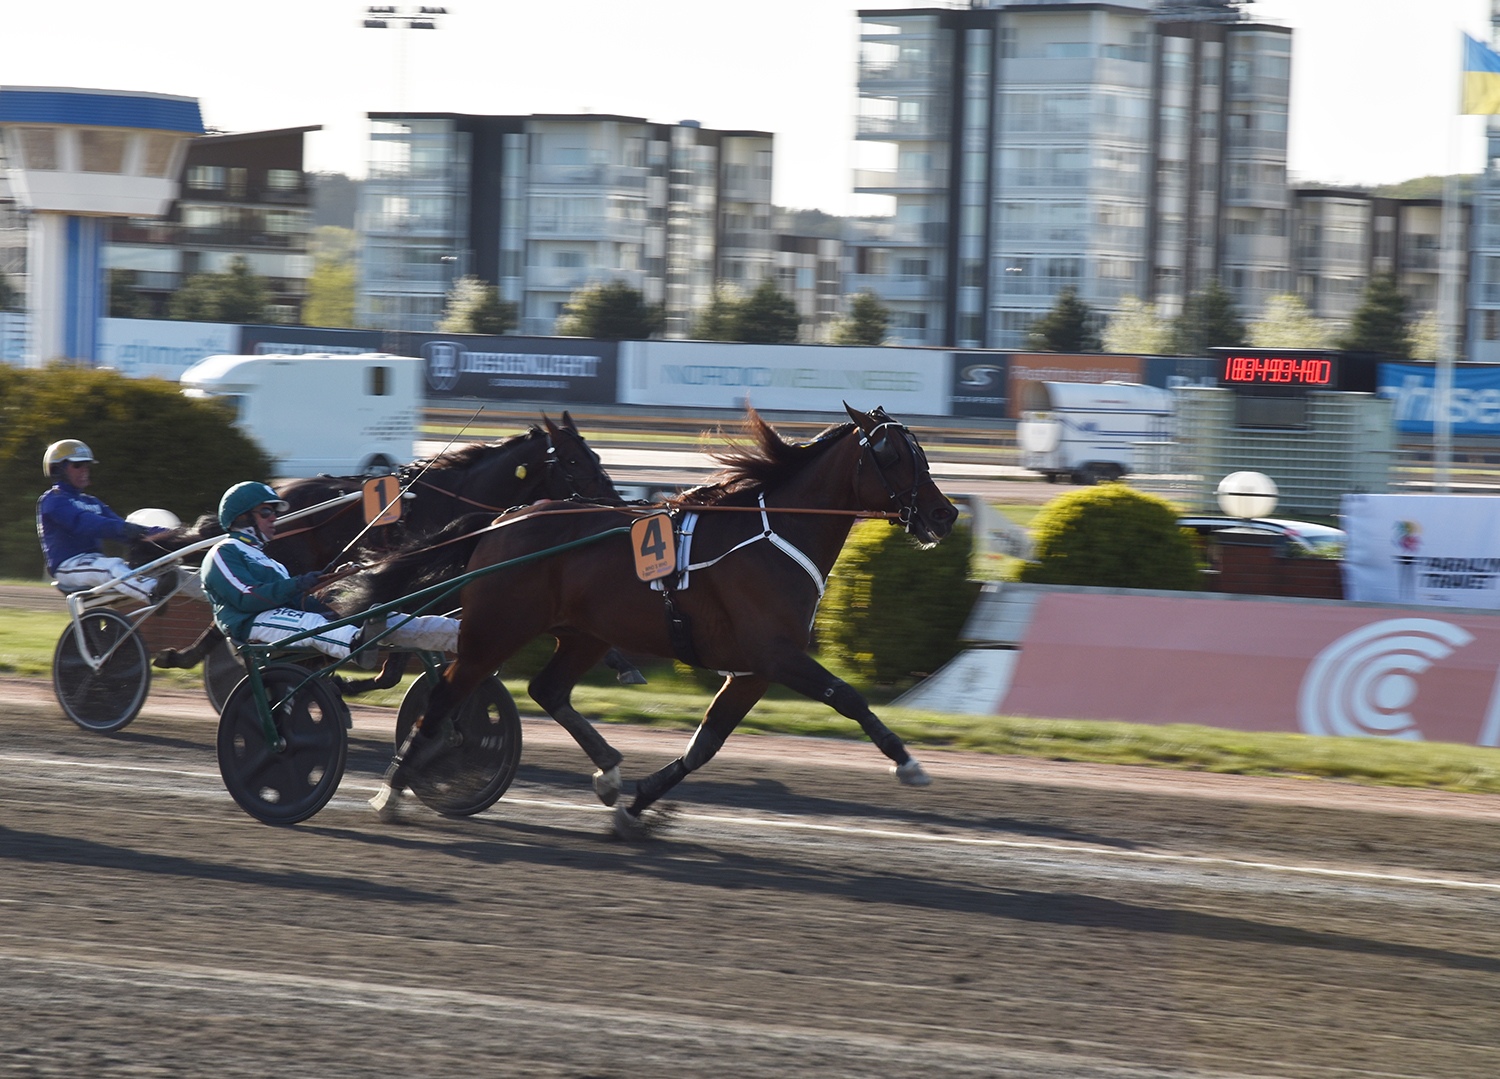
1063,367
793,378
302,340
1442,550
1261,666
161,348
569,370
1474,408
981,384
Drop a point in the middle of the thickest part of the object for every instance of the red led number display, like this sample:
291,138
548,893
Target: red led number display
1278,371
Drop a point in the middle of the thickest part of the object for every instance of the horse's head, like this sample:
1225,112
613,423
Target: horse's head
573,468
143,550
898,477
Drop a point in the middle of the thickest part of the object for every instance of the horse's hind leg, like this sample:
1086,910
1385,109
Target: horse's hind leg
735,698
553,690
193,654
803,674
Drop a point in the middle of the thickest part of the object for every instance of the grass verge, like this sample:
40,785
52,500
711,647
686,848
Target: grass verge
677,700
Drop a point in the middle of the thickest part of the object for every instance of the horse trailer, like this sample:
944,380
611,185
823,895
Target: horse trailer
319,413
1087,431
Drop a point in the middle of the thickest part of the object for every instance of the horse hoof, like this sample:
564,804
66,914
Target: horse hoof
629,826
387,804
911,774
631,677
167,659
650,823
607,785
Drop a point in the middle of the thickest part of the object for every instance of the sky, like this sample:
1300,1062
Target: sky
1374,82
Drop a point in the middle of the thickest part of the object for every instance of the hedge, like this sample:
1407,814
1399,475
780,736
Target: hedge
1111,536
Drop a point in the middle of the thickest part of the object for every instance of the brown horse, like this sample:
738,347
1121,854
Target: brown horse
550,462
756,571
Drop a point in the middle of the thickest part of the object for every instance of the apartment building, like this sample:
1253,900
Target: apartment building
544,205
1116,148
244,195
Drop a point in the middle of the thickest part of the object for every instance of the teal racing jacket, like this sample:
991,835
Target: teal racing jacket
243,581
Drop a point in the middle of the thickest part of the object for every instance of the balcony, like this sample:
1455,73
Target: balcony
614,176
896,71
587,228
571,278
890,127
187,237
894,287
883,181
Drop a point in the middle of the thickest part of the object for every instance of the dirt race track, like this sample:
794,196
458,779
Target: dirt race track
804,916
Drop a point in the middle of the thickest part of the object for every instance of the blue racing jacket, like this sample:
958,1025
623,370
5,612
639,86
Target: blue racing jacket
243,581
69,523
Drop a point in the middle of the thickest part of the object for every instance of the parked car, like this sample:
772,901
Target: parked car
1304,537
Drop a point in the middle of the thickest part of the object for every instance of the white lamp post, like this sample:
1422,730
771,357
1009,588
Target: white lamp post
1247,494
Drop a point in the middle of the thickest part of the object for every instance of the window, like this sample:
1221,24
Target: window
1063,50
283,179
39,148
913,267
1491,325
568,260
237,183
377,384
102,151
206,177
805,277
157,158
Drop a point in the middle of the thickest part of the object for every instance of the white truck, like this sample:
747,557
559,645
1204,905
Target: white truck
1087,431
319,413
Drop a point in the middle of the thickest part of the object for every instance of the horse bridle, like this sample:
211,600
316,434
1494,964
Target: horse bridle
555,461
886,456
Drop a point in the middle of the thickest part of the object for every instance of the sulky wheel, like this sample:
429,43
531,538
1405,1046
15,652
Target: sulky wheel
291,785
471,777
109,698
222,671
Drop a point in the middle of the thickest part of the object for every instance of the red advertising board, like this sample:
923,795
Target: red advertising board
1261,666
1063,367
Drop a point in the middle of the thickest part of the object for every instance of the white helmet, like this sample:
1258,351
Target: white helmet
68,451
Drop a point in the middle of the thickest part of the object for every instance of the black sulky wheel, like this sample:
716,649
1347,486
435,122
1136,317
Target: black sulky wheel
109,698
292,785
222,671
471,777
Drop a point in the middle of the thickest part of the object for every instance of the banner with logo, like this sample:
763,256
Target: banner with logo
568,370
1064,367
1324,669
792,378
1474,408
1442,550
981,384
161,348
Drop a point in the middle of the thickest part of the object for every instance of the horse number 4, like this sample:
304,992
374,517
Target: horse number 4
654,545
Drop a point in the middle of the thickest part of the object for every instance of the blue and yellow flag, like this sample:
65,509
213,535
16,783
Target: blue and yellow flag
1481,78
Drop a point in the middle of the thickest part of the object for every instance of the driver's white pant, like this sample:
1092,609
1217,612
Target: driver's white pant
429,632
91,569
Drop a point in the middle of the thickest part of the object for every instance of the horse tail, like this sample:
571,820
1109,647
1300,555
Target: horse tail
417,564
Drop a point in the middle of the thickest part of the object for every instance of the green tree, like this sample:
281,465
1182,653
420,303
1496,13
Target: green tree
892,610
719,321
124,300
1111,536
1285,322
867,324
1209,319
767,317
236,296
611,312
1068,327
1136,329
1380,323
334,281
474,306
155,448
1426,336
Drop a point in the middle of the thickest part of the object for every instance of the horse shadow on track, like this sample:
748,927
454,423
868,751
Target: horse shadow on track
498,843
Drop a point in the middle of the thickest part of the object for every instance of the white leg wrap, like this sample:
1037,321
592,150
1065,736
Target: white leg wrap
428,632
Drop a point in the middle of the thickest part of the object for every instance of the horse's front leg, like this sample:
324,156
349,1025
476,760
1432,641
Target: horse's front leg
735,698
552,688
800,672
193,654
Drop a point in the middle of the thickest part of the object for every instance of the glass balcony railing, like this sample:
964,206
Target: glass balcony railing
900,180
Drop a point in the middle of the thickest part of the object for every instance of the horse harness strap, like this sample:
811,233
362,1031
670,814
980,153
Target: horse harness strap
461,498
679,625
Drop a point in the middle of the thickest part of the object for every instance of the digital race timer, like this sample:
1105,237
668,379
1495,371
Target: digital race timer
1288,369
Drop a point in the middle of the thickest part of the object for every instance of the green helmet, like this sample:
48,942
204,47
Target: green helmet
244,497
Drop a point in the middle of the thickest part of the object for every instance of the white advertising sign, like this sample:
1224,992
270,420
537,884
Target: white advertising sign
797,378
1442,550
161,348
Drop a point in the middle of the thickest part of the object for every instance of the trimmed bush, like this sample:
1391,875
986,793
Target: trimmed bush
893,611
155,448
1111,536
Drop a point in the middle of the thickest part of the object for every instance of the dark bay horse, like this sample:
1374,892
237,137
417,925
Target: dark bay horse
549,462
757,571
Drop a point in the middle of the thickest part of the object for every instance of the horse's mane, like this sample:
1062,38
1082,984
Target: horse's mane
761,461
470,455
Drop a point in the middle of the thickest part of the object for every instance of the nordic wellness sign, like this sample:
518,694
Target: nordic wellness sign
805,378
1474,408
